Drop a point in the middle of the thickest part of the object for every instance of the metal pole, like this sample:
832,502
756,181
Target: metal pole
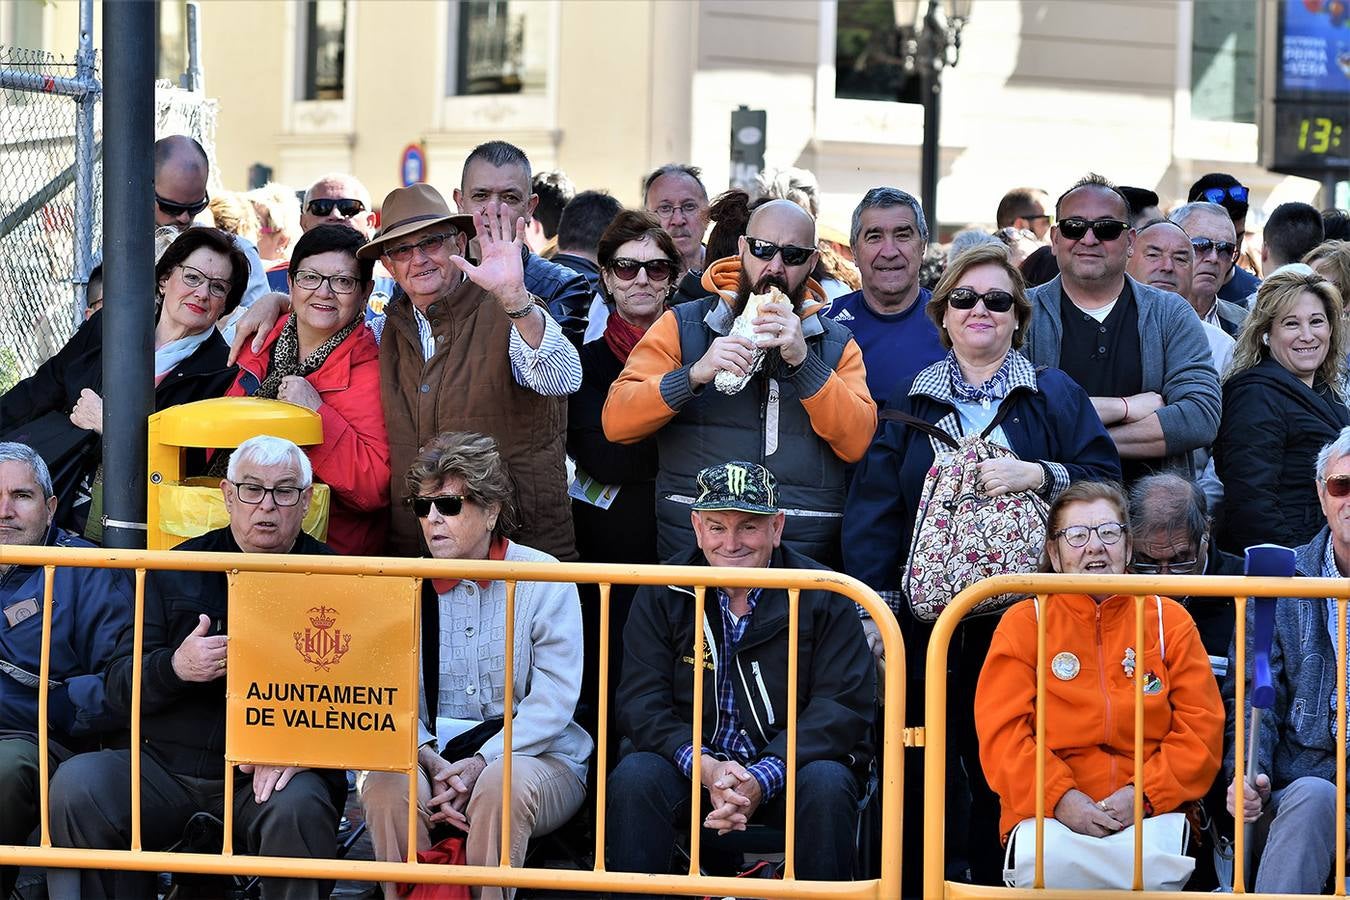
932,51
129,255
84,161
192,77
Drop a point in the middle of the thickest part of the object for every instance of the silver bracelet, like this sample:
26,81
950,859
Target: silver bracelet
523,311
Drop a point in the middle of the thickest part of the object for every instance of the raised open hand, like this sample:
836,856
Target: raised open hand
501,268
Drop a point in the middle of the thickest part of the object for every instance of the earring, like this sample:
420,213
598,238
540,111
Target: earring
1265,339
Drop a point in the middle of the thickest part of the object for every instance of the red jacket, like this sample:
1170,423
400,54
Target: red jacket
353,459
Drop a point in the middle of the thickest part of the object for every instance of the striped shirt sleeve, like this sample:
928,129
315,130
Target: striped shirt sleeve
553,370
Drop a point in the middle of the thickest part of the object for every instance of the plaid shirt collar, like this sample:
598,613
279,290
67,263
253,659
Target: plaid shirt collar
935,381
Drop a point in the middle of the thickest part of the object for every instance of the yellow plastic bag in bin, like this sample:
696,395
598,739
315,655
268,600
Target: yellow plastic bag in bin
195,506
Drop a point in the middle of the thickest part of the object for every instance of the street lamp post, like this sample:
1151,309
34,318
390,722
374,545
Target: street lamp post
929,39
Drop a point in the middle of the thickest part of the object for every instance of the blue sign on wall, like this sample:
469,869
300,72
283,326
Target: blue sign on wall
412,166
1315,47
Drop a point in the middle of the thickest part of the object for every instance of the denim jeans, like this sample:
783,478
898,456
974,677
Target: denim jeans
1300,838
649,808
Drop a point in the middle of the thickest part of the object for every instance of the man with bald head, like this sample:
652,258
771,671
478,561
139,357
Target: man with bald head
805,411
181,172
1163,258
338,199
1214,242
1138,351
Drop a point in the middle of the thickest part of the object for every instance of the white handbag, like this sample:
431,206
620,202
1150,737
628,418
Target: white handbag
1076,861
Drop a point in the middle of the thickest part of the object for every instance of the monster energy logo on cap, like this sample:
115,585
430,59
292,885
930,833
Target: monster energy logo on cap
738,485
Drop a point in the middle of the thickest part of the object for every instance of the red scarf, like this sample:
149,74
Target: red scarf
622,336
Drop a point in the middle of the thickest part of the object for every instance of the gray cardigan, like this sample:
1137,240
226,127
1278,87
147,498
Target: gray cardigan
1296,738
1174,355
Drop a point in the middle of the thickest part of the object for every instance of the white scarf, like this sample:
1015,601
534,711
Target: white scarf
174,352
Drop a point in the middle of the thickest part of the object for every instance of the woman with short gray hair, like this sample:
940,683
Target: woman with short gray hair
462,495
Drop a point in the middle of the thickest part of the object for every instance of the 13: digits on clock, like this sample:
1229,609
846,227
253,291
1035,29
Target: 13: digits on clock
1319,134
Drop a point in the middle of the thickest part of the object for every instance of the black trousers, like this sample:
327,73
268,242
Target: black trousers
91,808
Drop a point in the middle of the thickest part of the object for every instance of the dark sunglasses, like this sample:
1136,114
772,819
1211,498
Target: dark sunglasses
448,505
1237,193
1337,485
173,208
994,301
767,250
1202,246
1076,227
345,206
656,269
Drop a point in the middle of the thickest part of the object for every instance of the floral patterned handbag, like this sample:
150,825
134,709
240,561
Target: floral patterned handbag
962,536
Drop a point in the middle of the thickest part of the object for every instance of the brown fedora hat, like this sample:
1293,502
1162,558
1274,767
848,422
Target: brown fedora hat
410,209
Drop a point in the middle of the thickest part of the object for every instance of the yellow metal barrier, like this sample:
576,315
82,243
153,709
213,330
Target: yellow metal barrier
886,887
1240,588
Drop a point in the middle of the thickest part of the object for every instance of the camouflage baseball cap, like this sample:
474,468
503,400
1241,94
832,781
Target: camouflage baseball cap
738,485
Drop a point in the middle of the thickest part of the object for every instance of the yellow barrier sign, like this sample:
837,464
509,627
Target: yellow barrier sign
322,670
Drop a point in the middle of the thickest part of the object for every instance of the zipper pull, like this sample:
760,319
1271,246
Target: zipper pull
984,402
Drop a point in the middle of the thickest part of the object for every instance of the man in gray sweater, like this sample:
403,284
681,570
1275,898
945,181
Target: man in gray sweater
1294,794
1139,352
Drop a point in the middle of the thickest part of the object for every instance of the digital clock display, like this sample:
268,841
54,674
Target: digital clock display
1311,137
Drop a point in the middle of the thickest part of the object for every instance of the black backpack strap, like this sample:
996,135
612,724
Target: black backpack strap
915,422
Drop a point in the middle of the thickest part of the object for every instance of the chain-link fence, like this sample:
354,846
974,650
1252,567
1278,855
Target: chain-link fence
38,209
43,220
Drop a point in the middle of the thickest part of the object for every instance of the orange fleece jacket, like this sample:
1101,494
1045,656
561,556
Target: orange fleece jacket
1090,717
842,412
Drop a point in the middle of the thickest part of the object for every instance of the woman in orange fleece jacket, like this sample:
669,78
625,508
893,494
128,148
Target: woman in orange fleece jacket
1089,691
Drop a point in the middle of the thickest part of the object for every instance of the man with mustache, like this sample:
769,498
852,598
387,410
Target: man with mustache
806,411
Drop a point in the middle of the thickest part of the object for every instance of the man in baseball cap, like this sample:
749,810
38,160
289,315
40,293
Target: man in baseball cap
743,762
1233,196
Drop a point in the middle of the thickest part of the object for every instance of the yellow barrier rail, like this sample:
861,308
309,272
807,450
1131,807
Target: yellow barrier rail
886,887
1240,588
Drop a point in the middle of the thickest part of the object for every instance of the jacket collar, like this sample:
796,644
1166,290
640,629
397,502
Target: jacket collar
933,382
1308,558
722,278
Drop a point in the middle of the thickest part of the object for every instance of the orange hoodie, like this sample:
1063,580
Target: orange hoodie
1090,716
842,412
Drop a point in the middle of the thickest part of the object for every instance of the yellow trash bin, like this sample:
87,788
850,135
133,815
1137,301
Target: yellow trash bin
177,507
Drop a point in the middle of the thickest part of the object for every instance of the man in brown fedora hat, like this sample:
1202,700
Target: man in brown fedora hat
467,347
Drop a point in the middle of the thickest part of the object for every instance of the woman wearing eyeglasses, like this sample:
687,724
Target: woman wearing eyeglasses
1093,660
58,411
462,494
1283,399
1040,415
324,358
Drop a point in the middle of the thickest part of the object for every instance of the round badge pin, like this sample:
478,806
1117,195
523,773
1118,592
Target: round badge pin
1065,666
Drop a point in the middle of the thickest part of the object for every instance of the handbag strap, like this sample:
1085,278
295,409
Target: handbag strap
915,422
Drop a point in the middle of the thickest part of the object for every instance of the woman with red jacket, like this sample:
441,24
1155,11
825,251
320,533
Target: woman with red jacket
323,357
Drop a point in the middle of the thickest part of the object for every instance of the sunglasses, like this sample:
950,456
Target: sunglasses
448,505
1076,227
346,207
1337,485
428,245
767,250
656,269
173,208
994,301
1237,193
1202,246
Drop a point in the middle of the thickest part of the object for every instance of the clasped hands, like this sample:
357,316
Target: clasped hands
1077,812
451,785
734,794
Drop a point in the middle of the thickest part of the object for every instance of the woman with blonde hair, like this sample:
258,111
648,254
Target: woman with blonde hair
1331,260
1283,399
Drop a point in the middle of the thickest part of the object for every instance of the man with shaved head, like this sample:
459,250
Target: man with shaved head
181,170
338,199
805,411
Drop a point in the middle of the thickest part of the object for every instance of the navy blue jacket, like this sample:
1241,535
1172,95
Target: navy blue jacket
90,608
1053,422
567,294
